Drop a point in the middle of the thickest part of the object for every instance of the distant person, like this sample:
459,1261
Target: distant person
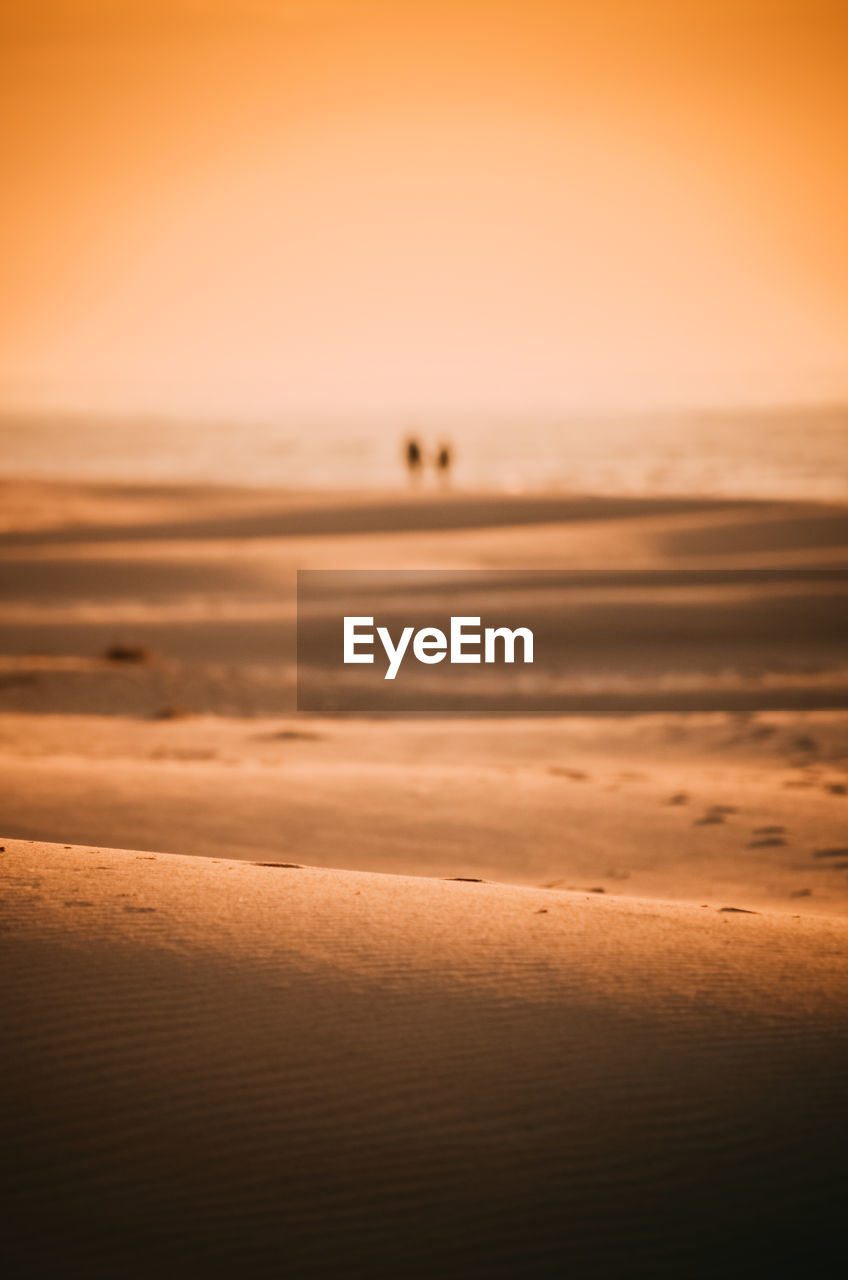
444,459
414,458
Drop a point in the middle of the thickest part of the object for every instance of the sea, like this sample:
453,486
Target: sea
799,453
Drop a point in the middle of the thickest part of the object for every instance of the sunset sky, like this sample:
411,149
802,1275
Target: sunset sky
359,206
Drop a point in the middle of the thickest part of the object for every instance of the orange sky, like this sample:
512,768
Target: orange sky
226,206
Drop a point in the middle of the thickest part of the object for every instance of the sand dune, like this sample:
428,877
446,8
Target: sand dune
726,684
224,1067
668,806
432,1047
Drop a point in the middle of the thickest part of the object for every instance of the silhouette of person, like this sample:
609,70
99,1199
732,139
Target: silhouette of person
443,461
413,457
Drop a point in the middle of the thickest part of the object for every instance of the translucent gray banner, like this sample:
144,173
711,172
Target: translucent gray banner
541,642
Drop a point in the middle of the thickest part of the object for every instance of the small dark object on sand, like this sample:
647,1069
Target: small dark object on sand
543,911
768,842
175,712
679,797
466,879
837,789
709,820
838,852
599,889
127,653
740,911
292,866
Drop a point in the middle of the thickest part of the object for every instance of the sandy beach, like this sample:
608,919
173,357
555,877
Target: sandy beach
472,995
147,690
225,1066
424,640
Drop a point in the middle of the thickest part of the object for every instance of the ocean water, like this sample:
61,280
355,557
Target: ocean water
800,453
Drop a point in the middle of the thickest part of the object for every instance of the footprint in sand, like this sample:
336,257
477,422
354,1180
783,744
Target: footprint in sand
679,797
715,815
